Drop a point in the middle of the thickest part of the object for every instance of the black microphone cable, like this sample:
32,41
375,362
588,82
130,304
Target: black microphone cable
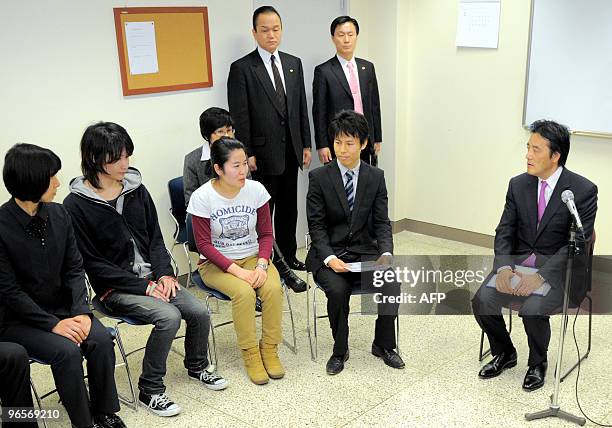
578,372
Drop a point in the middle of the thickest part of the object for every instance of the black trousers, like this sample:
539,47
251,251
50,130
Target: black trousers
337,287
15,375
65,358
283,202
535,310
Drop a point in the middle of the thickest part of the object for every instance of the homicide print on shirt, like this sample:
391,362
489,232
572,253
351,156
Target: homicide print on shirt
232,221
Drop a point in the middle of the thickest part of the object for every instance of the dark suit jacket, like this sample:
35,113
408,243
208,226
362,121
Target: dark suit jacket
331,93
259,121
195,172
333,228
517,234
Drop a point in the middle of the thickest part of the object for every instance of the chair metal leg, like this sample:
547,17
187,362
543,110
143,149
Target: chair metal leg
588,351
294,347
482,355
212,332
314,318
133,401
38,400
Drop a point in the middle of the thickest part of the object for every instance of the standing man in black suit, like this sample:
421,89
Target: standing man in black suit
348,220
533,231
345,83
267,99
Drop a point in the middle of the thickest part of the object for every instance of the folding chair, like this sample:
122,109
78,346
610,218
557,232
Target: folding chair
355,291
178,213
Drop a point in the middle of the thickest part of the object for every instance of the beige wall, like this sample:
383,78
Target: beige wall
459,114
60,73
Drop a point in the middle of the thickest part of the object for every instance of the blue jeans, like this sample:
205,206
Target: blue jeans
166,317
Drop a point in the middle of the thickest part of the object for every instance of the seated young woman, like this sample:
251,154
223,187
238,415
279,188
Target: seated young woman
43,296
233,231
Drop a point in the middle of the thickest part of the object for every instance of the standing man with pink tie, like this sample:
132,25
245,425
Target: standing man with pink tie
345,83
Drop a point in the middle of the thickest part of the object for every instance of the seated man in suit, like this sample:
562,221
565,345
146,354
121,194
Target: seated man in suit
341,222
15,373
216,123
533,231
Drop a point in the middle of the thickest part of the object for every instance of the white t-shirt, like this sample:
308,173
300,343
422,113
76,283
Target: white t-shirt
232,221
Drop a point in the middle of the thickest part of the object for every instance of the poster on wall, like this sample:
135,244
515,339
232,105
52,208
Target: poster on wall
478,23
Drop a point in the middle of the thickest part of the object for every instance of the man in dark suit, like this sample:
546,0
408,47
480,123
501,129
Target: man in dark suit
345,83
533,231
266,96
348,222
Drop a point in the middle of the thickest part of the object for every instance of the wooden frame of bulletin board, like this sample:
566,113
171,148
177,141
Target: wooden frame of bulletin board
182,44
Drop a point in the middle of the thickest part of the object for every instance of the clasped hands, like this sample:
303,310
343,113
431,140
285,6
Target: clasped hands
166,288
75,329
528,282
254,277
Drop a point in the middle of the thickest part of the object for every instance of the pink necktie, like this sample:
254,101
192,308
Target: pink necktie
355,89
530,261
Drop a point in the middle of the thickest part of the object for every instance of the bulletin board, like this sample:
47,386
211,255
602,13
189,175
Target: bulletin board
182,48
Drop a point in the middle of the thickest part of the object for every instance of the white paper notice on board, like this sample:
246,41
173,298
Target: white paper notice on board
478,23
141,47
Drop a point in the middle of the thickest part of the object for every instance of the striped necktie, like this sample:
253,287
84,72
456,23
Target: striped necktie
278,86
348,188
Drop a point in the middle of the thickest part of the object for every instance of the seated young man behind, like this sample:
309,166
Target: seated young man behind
127,263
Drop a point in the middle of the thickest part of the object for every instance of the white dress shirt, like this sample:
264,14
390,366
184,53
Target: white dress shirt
551,183
266,58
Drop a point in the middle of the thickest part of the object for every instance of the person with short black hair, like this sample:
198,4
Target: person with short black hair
215,124
533,233
267,99
345,82
128,265
233,231
348,221
43,296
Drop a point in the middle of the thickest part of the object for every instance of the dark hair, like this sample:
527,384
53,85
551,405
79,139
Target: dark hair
102,144
343,20
28,170
349,122
212,119
264,9
557,135
221,151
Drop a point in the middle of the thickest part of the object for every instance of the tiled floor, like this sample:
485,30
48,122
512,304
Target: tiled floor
439,386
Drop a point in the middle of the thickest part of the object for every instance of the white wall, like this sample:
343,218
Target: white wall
459,111
60,73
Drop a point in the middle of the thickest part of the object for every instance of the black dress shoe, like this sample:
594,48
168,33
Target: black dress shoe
295,264
293,281
109,420
498,364
534,379
389,356
336,364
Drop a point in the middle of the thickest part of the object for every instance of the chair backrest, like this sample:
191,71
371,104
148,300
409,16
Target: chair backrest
191,243
177,199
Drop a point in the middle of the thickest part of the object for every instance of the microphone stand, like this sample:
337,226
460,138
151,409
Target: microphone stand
555,409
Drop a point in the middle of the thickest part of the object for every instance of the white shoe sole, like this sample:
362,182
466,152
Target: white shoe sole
162,413
218,387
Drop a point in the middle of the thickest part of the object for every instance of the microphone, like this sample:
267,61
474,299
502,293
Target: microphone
568,199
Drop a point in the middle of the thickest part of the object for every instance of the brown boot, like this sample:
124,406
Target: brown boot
254,366
273,365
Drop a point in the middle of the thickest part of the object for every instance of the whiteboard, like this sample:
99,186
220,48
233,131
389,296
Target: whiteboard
569,69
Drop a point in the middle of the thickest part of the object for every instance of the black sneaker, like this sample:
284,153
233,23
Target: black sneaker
159,404
209,379
109,420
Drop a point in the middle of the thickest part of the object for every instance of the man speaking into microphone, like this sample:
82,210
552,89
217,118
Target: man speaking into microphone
533,233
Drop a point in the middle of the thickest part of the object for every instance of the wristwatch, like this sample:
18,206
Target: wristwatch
262,266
